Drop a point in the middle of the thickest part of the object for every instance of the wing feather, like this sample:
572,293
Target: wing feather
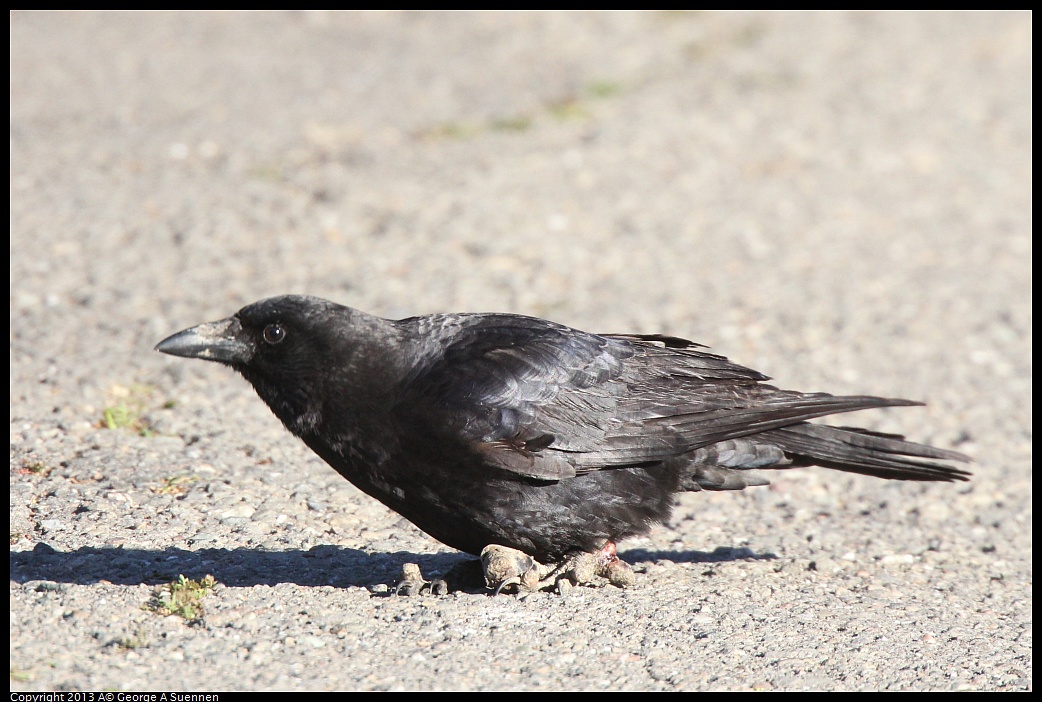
542,400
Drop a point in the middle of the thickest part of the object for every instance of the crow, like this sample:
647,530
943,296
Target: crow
542,442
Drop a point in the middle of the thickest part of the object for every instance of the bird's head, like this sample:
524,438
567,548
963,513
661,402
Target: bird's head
296,351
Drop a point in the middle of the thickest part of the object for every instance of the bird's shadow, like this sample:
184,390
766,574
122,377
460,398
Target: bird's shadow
245,567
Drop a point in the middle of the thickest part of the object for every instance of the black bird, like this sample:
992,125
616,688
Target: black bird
514,431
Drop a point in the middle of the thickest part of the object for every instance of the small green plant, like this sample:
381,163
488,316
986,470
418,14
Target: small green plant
450,130
175,484
603,88
34,466
130,643
19,675
127,408
120,417
568,109
517,123
183,598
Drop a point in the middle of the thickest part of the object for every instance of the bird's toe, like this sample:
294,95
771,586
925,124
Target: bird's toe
507,569
411,581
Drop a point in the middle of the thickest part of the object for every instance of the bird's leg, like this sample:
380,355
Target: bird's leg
586,568
610,566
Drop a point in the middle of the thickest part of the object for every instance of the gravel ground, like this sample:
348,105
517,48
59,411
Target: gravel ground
841,200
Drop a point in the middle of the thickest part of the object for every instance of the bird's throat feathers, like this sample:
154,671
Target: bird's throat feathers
353,397
299,409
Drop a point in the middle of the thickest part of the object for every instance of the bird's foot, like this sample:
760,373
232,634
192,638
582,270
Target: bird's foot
607,564
507,568
411,582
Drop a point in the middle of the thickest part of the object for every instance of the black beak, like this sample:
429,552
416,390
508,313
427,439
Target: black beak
221,341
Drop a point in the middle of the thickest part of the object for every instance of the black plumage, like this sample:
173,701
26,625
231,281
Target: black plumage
503,429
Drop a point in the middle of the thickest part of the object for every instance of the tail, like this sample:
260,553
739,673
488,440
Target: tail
855,450
733,464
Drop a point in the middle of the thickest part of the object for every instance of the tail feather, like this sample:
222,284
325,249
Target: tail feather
855,450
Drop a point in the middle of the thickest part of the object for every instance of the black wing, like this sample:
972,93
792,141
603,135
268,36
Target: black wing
543,400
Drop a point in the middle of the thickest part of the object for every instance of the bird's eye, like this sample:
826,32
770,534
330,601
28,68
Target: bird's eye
274,334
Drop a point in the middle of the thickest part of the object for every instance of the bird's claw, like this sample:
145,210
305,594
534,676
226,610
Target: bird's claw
507,568
505,584
411,583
